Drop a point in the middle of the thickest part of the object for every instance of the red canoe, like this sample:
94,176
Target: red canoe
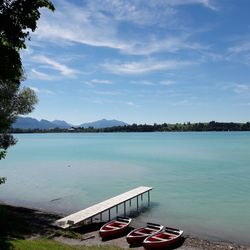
115,227
138,235
163,239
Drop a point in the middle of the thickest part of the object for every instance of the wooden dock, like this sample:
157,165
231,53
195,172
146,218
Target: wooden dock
101,207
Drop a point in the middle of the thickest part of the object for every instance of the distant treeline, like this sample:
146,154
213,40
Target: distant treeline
178,127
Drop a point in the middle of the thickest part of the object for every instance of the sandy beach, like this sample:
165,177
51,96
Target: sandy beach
39,223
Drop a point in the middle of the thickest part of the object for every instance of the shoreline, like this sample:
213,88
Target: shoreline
40,222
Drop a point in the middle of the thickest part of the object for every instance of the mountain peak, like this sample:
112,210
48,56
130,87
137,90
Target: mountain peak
61,123
32,123
104,123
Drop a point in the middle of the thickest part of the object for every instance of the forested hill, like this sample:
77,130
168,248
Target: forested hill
178,127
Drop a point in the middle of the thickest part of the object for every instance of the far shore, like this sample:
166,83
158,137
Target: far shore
39,223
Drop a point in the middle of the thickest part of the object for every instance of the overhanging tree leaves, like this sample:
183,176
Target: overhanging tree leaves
17,19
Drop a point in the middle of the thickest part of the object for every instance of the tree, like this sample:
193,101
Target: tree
17,19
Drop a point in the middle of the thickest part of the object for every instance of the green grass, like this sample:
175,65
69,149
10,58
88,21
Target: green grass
45,244
67,234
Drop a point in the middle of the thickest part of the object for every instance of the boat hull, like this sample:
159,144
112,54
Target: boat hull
162,240
138,235
109,234
136,240
159,245
114,228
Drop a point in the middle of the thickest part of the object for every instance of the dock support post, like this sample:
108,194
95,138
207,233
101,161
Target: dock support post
91,220
137,202
100,216
125,208
116,209
130,203
109,214
148,198
141,197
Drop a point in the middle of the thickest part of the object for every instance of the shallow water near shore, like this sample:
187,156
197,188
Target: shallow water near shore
200,180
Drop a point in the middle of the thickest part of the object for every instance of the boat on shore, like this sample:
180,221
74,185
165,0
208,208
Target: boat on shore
115,227
163,239
138,235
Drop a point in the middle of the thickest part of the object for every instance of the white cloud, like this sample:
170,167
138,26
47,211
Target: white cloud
95,82
143,67
97,24
240,52
168,44
167,82
130,104
143,82
139,12
101,81
62,68
206,3
44,91
111,93
78,24
143,12
240,48
35,74
241,88
148,83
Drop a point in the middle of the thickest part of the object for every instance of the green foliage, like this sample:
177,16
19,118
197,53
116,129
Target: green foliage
26,101
2,154
17,19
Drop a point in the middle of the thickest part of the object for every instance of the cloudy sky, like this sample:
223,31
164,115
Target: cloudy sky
141,61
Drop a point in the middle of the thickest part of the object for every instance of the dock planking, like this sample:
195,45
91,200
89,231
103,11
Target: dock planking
101,207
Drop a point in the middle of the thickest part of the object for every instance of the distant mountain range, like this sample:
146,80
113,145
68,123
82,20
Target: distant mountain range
31,123
103,124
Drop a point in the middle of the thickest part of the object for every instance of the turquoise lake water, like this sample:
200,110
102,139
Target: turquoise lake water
201,181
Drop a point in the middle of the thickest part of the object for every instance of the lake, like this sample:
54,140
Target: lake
201,181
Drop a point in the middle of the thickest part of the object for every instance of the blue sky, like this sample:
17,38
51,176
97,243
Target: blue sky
141,61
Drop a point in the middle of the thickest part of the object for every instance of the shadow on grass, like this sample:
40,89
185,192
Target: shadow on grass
5,244
11,226
20,223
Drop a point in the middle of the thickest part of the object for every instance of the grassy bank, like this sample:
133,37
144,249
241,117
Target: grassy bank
44,244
